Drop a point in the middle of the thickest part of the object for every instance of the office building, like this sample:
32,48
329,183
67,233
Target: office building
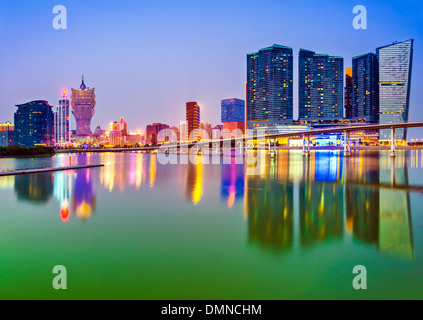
193,121
366,88
61,122
7,134
395,68
269,91
34,124
348,93
321,86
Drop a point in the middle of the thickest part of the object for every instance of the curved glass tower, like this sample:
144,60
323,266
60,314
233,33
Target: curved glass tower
83,103
395,64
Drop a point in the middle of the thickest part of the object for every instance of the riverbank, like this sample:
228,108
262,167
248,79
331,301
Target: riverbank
22,152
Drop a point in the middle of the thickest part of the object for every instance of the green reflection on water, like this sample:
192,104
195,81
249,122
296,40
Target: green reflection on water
141,230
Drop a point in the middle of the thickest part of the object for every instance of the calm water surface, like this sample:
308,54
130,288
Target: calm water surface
137,229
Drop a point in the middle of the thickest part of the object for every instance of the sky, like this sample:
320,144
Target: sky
147,58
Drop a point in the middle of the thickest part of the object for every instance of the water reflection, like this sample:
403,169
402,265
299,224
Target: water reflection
232,183
366,196
37,188
194,182
295,202
83,198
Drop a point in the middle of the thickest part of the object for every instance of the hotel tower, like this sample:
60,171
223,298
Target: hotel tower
83,103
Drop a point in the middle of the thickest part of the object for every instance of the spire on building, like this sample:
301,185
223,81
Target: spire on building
83,86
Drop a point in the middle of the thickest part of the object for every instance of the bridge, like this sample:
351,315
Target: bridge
346,130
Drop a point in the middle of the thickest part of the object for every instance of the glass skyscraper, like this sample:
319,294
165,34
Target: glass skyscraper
395,66
348,93
34,124
233,110
270,87
61,122
366,87
321,86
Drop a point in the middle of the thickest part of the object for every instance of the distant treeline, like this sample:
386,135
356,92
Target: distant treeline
22,151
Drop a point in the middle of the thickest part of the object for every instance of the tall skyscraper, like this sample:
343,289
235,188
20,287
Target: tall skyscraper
193,121
366,87
34,124
7,134
83,103
321,85
61,122
270,87
395,68
348,93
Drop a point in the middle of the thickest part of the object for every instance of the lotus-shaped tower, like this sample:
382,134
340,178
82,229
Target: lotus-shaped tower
83,103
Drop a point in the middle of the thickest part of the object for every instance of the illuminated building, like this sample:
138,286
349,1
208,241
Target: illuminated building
61,122
232,110
135,137
34,124
321,85
206,131
395,68
349,93
183,131
118,133
233,114
366,88
193,121
83,103
7,134
152,132
270,87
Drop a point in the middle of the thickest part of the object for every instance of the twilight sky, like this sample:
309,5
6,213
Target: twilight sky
146,58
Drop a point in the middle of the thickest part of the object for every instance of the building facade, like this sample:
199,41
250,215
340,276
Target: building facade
83,108
395,68
34,124
269,90
348,93
7,134
193,121
321,85
61,122
152,132
366,88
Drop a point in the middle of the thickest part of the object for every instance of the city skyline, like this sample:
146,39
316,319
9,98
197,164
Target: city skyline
119,82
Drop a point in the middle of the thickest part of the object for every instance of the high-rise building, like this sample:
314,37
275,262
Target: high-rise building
7,134
61,122
233,110
321,86
83,104
270,87
34,124
233,114
395,68
366,87
348,93
152,132
193,121
118,133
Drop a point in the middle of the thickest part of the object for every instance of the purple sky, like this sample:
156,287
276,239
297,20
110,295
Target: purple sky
147,58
